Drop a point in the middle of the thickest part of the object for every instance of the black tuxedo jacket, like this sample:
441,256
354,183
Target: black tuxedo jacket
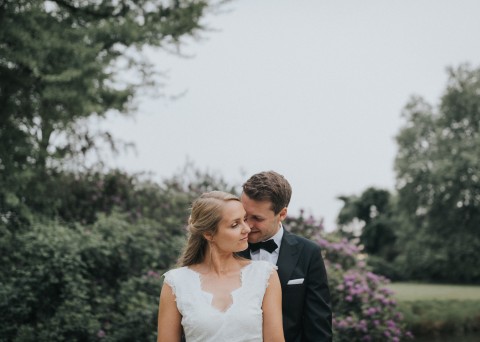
307,314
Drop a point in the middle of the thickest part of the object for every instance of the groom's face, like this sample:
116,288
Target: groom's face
261,219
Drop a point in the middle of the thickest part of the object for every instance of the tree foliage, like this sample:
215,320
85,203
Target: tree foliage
374,211
64,61
438,182
430,228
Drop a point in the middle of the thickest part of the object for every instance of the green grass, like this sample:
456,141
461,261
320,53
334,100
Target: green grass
414,292
441,316
431,309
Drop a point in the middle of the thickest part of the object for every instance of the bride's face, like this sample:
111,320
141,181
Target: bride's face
232,233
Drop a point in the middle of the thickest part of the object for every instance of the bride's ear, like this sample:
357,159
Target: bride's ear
208,237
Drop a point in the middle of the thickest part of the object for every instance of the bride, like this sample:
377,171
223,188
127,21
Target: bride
216,295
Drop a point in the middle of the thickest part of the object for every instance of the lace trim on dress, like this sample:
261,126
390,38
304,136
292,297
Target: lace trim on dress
201,322
231,294
168,279
268,274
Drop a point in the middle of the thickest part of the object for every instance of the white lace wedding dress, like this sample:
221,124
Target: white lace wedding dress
240,322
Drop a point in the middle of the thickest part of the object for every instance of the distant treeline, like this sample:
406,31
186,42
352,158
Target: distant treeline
429,227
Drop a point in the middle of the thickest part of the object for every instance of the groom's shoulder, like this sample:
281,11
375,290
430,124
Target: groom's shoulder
308,245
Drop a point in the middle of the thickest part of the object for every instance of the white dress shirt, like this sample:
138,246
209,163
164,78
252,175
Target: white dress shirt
262,254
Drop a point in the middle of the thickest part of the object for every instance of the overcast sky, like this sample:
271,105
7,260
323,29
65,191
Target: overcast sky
311,89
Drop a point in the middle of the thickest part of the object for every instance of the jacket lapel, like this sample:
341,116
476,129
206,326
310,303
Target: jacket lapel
288,257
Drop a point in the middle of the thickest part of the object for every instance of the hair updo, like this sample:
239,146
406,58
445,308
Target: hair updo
206,214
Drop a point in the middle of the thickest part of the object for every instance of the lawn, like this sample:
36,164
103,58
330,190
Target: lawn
415,292
436,310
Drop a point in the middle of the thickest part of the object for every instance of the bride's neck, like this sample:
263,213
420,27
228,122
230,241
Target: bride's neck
220,262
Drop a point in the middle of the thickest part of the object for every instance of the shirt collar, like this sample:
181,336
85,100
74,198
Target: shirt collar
278,236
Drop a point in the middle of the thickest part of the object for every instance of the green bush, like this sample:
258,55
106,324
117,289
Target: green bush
86,264
77,283
383,267
437,317
45,292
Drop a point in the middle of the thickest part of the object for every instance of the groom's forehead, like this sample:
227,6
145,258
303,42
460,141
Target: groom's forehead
263,203
254,205
263,206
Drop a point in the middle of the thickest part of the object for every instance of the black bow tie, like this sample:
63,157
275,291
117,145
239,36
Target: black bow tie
268,245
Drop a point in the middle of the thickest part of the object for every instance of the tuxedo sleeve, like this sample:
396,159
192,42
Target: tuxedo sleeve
317,315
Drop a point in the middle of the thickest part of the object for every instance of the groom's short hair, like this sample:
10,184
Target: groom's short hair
269,186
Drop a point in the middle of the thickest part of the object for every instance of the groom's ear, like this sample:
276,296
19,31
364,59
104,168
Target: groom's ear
283,214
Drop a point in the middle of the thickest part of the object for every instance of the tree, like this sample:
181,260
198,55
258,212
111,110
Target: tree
64,61
438,182
373,210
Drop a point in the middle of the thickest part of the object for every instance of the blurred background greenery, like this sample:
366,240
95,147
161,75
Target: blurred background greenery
83,248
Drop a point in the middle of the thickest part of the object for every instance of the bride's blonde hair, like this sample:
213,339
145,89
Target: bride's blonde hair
206,214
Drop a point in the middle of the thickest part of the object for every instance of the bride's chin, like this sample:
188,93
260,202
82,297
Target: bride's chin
243,246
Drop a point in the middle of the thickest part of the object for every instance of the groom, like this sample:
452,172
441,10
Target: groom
307,315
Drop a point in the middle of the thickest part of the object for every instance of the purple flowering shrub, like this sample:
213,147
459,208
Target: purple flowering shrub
363,308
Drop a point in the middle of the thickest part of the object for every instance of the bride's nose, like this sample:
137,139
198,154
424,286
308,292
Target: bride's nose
246,227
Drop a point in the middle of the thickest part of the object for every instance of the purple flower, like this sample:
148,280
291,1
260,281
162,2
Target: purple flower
391,324
366,307
101,334
310,221
152,274
386,291
342,324
362,325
